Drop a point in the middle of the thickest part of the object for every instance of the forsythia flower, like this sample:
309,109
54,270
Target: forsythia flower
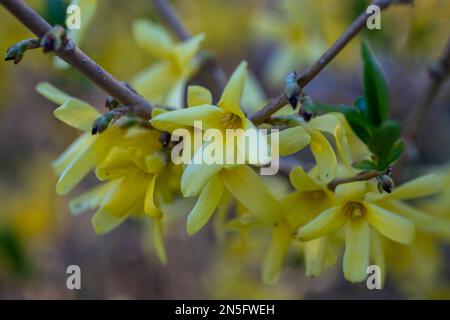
359,214
208,180
165,80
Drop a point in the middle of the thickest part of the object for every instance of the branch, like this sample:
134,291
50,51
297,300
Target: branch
77,58
438,72
362,176
309,74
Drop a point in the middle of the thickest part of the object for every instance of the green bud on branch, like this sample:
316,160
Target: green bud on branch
292,90
17,51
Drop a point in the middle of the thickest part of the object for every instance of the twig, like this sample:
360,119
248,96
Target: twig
438,71
172,19
280,101
362,176
77,58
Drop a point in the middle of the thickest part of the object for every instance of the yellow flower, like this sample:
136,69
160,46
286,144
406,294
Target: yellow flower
208,180
164,81
358,212
87,151
299,207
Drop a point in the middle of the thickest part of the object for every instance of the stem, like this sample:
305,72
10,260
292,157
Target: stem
362,176
77,58
309,74
172,19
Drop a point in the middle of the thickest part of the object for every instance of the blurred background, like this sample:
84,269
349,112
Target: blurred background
39,237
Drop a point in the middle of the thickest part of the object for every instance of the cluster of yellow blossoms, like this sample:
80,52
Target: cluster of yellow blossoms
140,179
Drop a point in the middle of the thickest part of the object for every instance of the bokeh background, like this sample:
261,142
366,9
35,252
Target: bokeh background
38,236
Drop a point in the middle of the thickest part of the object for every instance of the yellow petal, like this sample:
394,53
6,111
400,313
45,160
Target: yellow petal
231,96
153,38
198,95
423,221
247,187
77,114
158,240
377,254
293,140
80,166
302,181
150,203
155,82
52,93
104,222
210,117
278,248
352,191
390,224
420,187
186,51
94,198
205,206
357,250
253,97
117,164
315,254
175,98
197,174
129,194
325,223
72,152
324,155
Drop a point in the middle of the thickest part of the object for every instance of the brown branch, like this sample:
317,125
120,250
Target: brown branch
172,19
438,72
362,176
77,58
309,74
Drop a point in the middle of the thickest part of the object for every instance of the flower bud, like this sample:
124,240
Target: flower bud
291,89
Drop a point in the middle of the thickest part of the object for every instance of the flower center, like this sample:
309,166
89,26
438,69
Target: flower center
231,121
354,210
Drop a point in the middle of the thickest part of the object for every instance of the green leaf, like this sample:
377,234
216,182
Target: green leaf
375,87
396,152
361,104
383,140
359,124
365,165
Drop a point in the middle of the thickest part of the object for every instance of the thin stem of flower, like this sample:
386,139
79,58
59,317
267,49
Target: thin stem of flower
362,176
309,74
77,58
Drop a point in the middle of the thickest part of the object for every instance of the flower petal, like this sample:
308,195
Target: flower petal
72,152
186,51
293,140
175,97
197,173
104,222
278,248
198,95
94,198
302,181
77,114
153,38
150,203
247,187
390,224
325,223
357,250
315,254
155,82
209,116
117,164
420,187
158,240
324,155
232,94
205,206
352,191
52,93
